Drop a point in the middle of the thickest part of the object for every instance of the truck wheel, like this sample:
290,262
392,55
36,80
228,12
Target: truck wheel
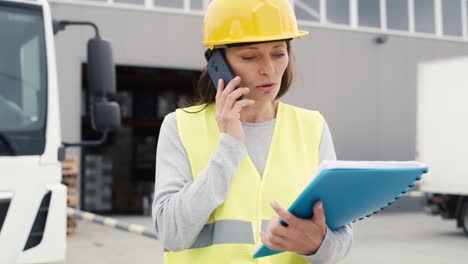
464,217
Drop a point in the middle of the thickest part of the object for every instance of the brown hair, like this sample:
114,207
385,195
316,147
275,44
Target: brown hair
206,92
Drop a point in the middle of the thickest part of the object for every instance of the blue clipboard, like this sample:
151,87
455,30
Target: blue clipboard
351,194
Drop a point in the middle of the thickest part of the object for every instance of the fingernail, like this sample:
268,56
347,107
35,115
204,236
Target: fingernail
237,78
320,205
274,203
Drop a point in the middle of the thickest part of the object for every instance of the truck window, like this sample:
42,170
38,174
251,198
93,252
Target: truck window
23,80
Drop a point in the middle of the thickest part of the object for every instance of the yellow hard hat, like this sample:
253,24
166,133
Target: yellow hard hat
242,21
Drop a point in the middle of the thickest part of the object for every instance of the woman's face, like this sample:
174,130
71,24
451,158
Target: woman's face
260,66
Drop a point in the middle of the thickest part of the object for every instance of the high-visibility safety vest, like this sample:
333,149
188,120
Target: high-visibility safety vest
232,231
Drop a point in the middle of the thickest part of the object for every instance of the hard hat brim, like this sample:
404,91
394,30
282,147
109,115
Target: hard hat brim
213,44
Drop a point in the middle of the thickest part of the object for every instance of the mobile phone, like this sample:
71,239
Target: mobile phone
218,68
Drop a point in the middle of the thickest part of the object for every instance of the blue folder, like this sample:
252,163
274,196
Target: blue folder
351,194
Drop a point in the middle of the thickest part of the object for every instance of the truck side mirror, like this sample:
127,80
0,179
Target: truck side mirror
105,116
101,69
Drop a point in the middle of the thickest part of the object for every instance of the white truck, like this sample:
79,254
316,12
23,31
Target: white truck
442,137
32,198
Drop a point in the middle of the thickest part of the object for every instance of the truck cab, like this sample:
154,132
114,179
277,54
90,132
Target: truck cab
32,198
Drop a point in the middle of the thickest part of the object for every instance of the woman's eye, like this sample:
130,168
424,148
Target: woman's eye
279,55
248,58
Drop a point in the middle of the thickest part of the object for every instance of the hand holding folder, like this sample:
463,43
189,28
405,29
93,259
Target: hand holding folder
303,236
352,190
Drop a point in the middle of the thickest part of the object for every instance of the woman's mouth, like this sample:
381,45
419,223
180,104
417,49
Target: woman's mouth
266,86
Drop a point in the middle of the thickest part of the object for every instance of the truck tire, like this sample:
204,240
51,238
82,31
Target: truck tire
464,217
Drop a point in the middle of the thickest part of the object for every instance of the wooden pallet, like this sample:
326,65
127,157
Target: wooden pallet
70,166
70,179
72,229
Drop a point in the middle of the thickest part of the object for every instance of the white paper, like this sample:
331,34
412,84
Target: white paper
348,164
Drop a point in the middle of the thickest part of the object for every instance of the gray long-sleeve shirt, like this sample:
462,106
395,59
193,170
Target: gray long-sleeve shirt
177,213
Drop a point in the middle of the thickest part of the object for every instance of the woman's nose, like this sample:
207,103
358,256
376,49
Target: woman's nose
267,67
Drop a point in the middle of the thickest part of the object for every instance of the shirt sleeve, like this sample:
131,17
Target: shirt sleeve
326,149
337,243
177,214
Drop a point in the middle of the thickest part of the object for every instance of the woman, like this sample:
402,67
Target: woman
226,167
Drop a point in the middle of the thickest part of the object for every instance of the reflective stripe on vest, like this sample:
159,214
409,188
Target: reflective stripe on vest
234,227
224,232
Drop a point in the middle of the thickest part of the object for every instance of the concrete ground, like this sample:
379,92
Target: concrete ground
401,235
95,243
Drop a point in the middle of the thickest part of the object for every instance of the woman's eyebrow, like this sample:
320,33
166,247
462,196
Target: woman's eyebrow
279,46
244,48
256,48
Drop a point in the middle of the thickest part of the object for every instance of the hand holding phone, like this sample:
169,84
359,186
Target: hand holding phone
218,68
229,97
